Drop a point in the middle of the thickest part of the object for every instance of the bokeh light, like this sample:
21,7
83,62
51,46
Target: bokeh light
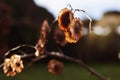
119,55
99,30
118,30
84,31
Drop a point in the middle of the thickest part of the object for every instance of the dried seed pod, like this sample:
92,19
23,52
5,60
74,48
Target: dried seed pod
71,26
17,63
64,18
55,67
60,37
75,31
8,69
45,29
13,65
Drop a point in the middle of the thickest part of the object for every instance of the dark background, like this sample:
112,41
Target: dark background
20,22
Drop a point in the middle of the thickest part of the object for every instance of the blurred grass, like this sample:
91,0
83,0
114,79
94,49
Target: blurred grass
71,72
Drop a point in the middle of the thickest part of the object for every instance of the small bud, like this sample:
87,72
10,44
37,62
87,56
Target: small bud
37,53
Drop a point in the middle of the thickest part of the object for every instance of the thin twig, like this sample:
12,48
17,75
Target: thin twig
90,19
62,56
88,68
85,66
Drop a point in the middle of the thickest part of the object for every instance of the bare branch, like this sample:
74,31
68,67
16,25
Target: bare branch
85,66
62,56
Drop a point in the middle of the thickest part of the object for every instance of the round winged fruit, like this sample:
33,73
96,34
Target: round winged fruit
17,63
64,18
8,69
55,67
75,31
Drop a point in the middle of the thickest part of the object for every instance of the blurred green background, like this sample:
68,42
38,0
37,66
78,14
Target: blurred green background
71,72
20,22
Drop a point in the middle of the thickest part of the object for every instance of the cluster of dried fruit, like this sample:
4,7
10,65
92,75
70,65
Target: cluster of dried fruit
69,27
13,65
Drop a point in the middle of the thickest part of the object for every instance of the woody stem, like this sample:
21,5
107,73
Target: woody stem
85,66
